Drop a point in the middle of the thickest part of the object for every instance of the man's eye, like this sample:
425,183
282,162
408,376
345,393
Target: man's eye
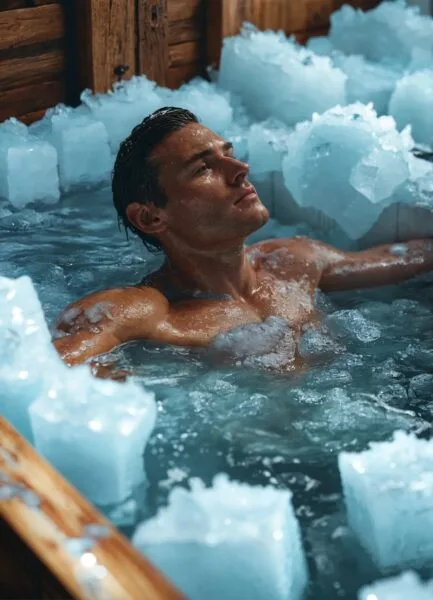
201,169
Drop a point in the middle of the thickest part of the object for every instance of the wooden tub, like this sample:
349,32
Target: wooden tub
43,523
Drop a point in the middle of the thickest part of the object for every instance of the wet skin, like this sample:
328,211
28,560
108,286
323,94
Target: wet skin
211,282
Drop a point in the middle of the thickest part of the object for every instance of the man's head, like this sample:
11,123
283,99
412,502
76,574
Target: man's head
175,181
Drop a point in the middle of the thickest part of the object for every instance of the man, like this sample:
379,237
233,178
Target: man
179,187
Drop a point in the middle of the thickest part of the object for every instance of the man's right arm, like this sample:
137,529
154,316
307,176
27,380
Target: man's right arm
100,322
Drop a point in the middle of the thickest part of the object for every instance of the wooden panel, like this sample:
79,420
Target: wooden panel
12,4
62,514
184,54
21,71
153,39
31,99
181,74
181,10
106,40
31,25
186,31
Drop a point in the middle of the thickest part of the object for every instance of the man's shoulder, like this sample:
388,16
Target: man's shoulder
298,245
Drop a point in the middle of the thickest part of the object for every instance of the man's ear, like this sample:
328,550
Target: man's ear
147,218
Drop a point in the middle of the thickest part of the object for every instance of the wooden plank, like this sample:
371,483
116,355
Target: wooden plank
62,514
183,73
181,10
106,40
21,71
31,25
185,54
32,99
153,58
186,31
12,4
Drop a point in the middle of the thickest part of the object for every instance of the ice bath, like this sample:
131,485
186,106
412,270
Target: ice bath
276,450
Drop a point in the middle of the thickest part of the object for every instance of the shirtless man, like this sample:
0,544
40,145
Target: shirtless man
179,187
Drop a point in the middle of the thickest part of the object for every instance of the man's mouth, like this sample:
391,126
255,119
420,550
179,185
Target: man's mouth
247,194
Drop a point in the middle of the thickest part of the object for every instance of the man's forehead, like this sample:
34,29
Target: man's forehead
184,143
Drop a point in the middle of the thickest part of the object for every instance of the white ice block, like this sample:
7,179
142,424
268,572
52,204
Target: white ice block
390,33
407,586
94,432
121,109
388,491
267,144
412,104
82,145
228,542
26,353
28,166
277,78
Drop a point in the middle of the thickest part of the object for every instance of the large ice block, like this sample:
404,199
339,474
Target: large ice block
94,432
124,107
407,586
28,166
277,78
411,104
388,492
229,541
267,144
26,353
390,33
81,142
349,164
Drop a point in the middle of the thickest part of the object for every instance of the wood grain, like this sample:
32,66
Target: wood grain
183,73
12,4
18,72
185,54
31,100
27,26
181,10
63,513
153,59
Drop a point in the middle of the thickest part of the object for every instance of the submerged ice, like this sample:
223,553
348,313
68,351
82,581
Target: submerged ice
405,586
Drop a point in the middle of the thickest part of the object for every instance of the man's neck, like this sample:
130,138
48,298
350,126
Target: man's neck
225,271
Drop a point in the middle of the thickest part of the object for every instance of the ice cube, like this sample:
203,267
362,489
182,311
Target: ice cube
411,104
348,164
321,45
388,491
353,325
28,166
302,83
26,353
389,33
94,432
124,107
229,541
81,142
267,143
406,586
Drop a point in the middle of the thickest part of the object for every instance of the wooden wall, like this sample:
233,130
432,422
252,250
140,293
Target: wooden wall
50,50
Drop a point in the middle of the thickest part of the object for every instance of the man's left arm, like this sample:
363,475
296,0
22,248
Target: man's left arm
382,265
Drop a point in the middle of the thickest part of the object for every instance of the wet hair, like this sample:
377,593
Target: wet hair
135,175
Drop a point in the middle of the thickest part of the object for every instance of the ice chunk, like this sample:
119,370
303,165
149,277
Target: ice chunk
349,164
94,432
388,491
411,104
28,166
267,143
403,587
367,81
317,344
302,83
390,33
353,325
230,541
26,353
81,142
124,107
321,45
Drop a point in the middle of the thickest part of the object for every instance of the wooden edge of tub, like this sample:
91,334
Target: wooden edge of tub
50,516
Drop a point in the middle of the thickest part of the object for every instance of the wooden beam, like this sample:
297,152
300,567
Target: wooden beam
106,41
31,100
17,72
31,25
12,4
153,58
55,514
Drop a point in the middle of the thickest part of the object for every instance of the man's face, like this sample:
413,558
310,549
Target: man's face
209,199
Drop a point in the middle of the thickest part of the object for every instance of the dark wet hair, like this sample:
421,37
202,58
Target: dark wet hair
135,177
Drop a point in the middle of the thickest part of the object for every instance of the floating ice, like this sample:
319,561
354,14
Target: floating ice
353,325
348,163
412,104
230,541
277,78
388,492
28,166
407,586
94,432
389,33
124,107
81,142
25,350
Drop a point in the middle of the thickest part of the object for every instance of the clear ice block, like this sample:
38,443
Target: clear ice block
407,586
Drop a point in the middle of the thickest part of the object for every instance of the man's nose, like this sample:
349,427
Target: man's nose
237,171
